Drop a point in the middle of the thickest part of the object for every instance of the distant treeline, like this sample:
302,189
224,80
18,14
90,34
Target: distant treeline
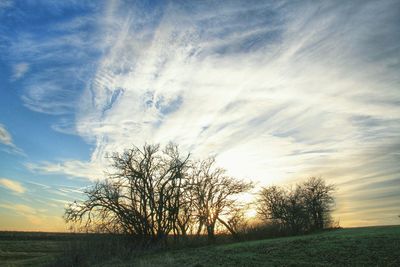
154,193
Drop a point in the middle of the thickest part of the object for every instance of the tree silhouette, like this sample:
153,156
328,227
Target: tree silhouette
318,201
153,193
214,194
142,197
307,207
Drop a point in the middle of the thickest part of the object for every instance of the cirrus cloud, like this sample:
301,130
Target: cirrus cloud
6,139
19,70
278,91
12,185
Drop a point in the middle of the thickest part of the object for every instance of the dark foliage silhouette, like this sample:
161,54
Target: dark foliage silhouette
305,208
141,198
154,193
214,194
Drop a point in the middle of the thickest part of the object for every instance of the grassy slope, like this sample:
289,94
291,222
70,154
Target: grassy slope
373,246
28,252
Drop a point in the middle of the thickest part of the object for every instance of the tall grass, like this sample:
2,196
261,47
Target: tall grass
86,250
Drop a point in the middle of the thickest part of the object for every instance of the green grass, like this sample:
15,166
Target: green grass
372,246
28,252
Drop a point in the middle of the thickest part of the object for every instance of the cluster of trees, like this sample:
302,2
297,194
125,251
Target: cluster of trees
154,193
157,192
305,208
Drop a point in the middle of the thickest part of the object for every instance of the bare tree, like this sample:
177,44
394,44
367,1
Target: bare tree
295,214
307,207
271,204
142,197
235,220
318,201
186,216
215,195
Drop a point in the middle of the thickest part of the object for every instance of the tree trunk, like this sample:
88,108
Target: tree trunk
230,229
200,228
210,231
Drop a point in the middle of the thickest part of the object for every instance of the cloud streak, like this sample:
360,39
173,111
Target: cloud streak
19,70
71,168
5,136
35,218
41,59
6,139
12,185
277,91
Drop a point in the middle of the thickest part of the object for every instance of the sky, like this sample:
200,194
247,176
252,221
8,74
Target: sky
278,91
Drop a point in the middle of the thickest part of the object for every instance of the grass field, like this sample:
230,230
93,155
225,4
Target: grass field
372,246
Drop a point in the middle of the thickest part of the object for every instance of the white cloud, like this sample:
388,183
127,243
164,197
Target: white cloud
12,185
213,94
296,89
308,90
6,139
74,168
5,136
63,58
19,70
48,97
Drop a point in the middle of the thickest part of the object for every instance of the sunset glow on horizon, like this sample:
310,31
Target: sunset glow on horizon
278,91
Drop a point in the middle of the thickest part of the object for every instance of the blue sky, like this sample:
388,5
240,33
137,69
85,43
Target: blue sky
277,90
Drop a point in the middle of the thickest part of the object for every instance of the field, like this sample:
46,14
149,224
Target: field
371,246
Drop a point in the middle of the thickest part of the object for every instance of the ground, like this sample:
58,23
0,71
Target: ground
371,246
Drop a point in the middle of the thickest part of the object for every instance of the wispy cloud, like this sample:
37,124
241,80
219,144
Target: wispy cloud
36,217
5,136
49,88
12,185
19,208
19,70
70,168
277,90
6,139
